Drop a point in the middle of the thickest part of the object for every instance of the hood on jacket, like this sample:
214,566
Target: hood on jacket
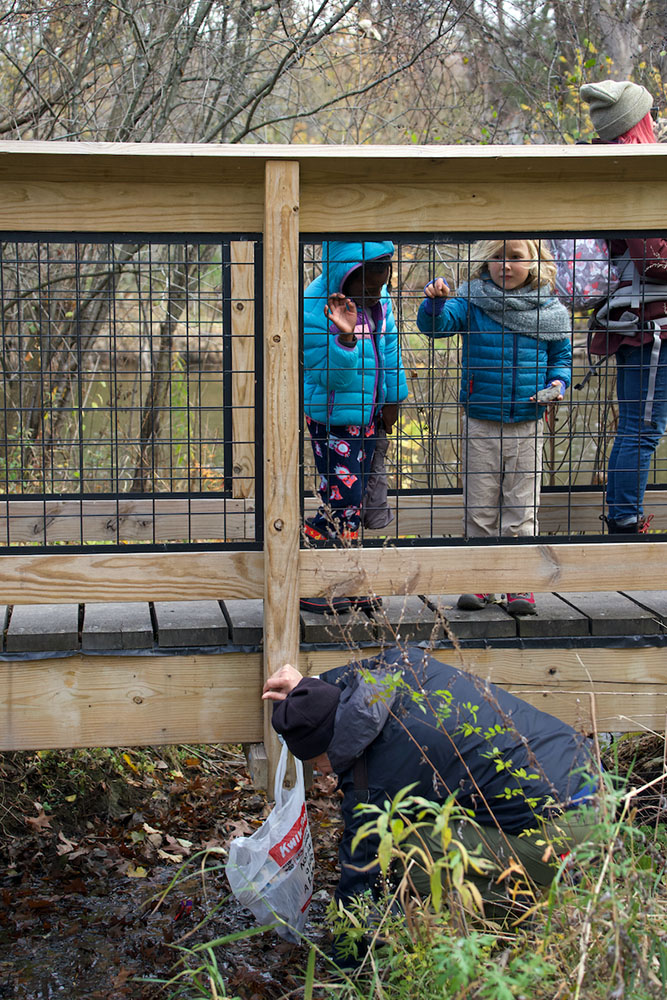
362,711
340,258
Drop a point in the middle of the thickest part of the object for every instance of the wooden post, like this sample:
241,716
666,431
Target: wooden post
281,428
243,368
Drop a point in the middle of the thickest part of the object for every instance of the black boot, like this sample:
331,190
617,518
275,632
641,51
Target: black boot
639,527
614,528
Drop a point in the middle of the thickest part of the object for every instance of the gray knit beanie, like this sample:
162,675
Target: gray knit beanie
616,105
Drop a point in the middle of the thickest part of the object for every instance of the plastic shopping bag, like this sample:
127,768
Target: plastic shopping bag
271,872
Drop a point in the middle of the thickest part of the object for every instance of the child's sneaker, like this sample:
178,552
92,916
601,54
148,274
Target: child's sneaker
521,604
474,602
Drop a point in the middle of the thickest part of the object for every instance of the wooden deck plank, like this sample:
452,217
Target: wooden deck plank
611,613
245,621
654,601
190,623
44,627
117,626
555,617
353,626
406,619
491,622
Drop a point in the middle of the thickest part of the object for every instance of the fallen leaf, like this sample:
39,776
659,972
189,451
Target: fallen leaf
176,858
135,871
66,846
41,822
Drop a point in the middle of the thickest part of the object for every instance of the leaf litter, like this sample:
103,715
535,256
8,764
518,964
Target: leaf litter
95,901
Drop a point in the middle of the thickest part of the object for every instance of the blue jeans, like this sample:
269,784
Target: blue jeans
636,440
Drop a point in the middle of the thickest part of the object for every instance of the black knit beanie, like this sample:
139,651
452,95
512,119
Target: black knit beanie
306,717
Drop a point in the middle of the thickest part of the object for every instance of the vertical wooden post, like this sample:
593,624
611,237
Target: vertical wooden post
243,368
281,427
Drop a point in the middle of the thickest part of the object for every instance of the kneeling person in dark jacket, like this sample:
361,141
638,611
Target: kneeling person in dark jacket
445,731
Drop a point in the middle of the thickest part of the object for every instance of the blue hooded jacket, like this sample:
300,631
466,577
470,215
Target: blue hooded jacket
501,368
348,384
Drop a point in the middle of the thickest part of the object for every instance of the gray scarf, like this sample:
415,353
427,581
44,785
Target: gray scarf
535,312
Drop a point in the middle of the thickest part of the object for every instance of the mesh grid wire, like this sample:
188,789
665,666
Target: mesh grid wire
430,447
130,413
131,398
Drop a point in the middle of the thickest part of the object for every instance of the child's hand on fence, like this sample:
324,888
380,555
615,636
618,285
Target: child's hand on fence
279,685
343,313
438,289
553,393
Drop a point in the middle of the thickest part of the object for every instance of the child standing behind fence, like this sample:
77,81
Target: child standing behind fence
353,383
515,344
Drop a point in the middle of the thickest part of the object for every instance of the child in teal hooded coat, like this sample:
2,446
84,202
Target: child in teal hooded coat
353,383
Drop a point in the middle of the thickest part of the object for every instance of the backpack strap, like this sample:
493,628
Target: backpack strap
660,324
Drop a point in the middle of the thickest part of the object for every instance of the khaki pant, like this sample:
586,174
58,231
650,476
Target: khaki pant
537,852
502,471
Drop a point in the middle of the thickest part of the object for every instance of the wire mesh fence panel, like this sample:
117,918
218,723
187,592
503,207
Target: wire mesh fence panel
512,425
129,390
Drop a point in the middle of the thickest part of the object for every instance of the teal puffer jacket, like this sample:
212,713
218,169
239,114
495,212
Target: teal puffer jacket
500,369
347,385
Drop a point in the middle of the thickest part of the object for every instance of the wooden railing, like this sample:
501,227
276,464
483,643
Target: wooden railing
282,191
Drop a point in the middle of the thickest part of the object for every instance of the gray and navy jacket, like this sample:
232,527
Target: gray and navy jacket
424,729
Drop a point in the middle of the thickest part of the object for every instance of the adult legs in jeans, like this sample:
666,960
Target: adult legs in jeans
636,441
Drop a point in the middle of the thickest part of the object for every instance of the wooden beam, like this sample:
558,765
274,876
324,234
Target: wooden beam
129,519
582,670
243,368
105,577
282,520
493,568
628,685
105,700
218,518
218,188
100,701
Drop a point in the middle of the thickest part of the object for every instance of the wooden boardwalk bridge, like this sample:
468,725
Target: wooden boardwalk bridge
76,671
143,673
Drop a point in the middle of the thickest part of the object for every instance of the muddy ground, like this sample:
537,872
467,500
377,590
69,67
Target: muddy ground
105,873
97,893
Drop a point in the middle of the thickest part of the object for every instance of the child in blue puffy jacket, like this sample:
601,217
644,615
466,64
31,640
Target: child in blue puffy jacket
516,343
353,381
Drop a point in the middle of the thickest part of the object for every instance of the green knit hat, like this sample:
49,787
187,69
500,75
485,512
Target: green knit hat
616,105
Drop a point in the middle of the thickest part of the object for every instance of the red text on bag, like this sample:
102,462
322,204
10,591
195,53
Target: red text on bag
291,842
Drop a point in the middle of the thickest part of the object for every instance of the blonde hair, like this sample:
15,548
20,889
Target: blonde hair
542,267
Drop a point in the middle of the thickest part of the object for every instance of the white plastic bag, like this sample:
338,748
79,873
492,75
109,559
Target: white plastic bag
271,872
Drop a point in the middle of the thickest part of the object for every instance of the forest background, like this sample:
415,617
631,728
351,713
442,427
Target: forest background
360,71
